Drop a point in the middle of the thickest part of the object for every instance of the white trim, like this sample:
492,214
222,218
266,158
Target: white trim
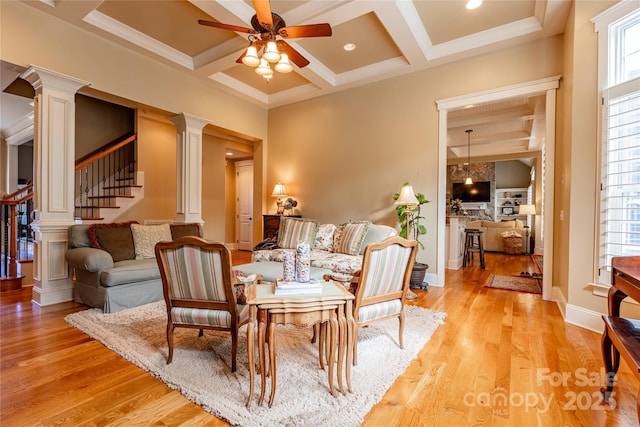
585,318
547,86
432,280
560,300
615,12
117,28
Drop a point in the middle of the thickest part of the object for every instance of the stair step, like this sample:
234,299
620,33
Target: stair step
98,207
113,187
112,197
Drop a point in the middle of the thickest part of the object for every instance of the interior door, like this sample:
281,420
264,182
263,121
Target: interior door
244,205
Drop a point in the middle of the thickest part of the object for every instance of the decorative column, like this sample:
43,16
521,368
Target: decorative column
189,167
53,172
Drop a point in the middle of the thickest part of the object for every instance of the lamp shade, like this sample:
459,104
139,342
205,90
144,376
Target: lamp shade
279,190
251,57
468,181
527,210
407,196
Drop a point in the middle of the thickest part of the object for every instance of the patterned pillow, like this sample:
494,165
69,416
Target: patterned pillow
324,237
145,238
349,237
114,238
295,230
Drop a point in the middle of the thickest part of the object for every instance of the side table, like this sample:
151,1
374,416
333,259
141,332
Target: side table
334,306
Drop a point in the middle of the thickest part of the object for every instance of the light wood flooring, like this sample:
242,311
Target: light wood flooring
494,344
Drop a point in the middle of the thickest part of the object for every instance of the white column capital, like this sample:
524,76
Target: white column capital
41,78
184,121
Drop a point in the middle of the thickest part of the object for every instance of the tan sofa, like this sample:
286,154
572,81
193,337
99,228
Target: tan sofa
492,237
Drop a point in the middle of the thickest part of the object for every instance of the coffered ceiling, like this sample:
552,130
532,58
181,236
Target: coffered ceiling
392,37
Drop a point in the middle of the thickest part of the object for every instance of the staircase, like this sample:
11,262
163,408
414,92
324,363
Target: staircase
107,185
107,182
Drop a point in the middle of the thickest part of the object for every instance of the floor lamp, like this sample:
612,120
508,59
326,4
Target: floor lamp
407,198
528,210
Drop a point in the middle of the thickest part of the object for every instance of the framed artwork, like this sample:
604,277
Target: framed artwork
507,210
280,209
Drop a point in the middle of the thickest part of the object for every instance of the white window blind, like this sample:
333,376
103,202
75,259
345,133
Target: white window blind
620,187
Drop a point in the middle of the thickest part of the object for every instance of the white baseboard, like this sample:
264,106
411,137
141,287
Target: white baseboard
585,318
432,280
579,316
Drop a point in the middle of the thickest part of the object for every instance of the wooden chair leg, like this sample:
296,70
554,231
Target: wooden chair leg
201,333
355,343
234,349
170,341
401,329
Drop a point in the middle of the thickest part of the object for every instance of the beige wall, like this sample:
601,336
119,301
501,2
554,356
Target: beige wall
156,156
157,159
342,156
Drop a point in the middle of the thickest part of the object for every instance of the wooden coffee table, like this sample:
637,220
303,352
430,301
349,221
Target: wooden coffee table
334,307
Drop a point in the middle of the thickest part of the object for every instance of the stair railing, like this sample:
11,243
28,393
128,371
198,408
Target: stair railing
103,174
17,237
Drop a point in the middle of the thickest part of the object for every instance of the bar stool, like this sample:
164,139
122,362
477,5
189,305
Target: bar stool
471,246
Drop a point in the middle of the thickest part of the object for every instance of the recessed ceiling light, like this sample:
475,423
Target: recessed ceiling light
349,47
473,4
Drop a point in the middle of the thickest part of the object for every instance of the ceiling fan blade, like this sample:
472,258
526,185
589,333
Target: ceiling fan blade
294,55
312,30
263,12
257,44
227,26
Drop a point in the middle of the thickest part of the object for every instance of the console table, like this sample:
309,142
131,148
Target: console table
622,336
333,307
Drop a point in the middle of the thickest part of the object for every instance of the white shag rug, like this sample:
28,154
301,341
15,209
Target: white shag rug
201,367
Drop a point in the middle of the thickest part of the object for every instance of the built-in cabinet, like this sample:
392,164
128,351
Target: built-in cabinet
508,201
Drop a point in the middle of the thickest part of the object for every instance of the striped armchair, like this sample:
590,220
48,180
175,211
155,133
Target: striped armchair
198,289
384,282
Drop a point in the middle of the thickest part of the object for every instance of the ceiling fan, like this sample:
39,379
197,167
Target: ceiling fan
263,38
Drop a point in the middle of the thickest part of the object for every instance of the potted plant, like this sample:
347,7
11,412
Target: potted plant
411,226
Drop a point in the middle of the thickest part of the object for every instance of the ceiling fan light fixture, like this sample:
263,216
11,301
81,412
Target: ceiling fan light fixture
264,68
283,66
251,57
271,53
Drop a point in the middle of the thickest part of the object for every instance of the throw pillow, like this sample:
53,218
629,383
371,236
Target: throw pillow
295,230
324,237
145,238
349,237
115,238
182,230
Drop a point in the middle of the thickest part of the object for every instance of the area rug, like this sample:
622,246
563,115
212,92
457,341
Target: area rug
538,260
515,283
201,366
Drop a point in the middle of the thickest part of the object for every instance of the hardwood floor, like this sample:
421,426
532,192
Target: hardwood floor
494,344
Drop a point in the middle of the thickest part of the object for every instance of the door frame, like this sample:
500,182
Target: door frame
547,87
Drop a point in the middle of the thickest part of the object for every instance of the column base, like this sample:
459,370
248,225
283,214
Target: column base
44,297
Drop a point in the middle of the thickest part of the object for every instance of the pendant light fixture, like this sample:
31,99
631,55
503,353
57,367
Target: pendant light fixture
468,181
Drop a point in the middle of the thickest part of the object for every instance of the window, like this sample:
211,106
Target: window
624,49
620,192
619,79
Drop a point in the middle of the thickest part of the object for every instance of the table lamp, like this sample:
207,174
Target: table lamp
280,192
